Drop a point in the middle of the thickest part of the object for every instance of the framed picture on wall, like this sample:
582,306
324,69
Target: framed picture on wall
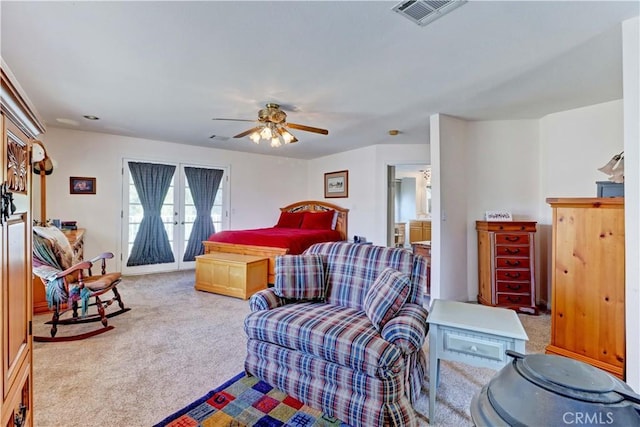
336,184
82,185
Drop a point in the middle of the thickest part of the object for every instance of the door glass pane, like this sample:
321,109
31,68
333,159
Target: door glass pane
190,212
136,213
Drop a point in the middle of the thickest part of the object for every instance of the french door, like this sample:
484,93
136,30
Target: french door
178,215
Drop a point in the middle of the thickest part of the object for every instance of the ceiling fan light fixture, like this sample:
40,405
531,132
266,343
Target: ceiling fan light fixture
275,142
287,137
271,127
255,137
265,133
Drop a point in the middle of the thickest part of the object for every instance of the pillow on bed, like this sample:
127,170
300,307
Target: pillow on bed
300,277
290,220
318,220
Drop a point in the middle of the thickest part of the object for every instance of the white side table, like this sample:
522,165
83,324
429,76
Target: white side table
475,334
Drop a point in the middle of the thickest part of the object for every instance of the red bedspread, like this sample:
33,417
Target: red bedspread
296,239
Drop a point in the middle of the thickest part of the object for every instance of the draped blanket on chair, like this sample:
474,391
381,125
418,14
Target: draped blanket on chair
53,254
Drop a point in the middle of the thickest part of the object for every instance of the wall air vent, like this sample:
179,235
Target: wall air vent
423,12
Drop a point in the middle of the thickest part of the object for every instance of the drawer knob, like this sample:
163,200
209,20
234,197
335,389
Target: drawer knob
512,251
512,275
513,263
512,238
474,348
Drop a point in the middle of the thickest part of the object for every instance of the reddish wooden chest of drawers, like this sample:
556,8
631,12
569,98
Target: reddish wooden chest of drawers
506,266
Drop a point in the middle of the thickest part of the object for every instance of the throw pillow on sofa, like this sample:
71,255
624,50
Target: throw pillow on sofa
300,277
386,296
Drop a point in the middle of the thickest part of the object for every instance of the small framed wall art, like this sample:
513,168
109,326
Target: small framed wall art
82,185
336,184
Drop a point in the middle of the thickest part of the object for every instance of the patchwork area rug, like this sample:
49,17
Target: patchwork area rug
247,401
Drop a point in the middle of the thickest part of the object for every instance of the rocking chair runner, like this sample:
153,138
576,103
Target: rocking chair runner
74,284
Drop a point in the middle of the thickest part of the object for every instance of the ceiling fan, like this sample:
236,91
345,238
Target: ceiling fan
272,127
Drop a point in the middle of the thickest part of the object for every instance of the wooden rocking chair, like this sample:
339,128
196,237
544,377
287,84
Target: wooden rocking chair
73,286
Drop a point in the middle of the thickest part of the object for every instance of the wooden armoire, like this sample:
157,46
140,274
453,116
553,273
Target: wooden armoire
588,282
19,128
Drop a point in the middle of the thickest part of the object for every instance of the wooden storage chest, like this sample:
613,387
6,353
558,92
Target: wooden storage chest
230,274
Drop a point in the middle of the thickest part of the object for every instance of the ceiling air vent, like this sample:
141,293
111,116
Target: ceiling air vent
423,12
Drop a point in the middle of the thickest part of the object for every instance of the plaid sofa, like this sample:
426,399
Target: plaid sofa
320,345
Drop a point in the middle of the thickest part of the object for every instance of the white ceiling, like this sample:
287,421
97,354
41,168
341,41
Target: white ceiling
162,70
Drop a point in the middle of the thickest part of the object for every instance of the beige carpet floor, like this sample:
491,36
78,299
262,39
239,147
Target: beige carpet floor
174,346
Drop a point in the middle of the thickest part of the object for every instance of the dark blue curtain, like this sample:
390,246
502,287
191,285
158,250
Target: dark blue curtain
151,245
203,184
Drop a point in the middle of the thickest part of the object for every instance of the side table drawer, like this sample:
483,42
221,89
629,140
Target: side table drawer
512,238
514,288
514,299
471,344
513,275
521,251
504,262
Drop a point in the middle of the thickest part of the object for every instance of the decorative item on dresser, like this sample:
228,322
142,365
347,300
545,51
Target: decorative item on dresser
506,264
588,282
19,127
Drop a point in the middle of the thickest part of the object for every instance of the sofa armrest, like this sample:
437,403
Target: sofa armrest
265,299
408,328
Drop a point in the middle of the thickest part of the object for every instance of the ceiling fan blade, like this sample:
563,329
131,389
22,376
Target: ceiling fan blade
247,132
235,120
307,128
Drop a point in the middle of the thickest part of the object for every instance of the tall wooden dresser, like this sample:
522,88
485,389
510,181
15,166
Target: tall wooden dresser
506,264
588,282
19,127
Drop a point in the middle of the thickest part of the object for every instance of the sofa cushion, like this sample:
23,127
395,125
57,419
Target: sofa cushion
352,268
386,296
300,277
341,335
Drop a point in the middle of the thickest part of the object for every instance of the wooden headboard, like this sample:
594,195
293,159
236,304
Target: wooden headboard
318,206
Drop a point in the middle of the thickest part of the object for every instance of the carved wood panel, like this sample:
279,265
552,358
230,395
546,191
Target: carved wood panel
17,163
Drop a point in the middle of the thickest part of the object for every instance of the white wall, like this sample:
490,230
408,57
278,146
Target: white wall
361,201
631,88
573,145
503,165
259,185
367,168
512,165
449,228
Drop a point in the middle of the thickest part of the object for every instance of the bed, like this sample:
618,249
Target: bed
285,237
